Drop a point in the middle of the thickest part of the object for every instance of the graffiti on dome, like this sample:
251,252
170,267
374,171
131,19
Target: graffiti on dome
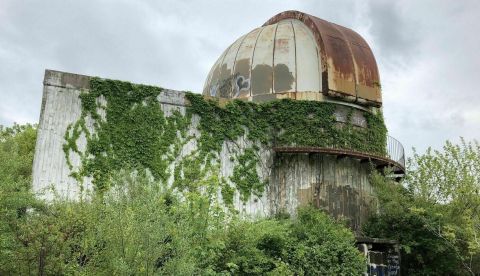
230,87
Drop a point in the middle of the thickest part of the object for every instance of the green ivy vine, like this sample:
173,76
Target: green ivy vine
285,123
133,132
130,131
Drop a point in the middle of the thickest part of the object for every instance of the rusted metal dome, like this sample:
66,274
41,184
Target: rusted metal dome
297,55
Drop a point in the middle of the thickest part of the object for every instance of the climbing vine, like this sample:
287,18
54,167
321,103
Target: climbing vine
130,131
285,123
127,129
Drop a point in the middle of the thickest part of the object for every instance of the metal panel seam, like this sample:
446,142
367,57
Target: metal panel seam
355,66
208,83
319,61
235,61
253,56
273,59
295,46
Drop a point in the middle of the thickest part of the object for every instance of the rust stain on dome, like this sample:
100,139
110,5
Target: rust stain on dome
349,64
295,53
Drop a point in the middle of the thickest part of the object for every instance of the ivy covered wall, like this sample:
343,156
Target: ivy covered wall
203,144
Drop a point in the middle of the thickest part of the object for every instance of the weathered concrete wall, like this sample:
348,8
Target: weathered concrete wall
340,186
337,185
60,107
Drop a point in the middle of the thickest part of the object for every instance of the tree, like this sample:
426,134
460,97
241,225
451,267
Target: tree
435,213
447,183
17,145
423,252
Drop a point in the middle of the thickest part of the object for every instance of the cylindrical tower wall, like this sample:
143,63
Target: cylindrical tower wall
338,185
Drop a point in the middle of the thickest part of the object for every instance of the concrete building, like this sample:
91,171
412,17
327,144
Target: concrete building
292,56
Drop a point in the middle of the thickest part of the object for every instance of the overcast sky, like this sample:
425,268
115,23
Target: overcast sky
427,52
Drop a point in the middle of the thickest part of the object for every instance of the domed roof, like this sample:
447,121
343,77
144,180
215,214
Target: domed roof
299,56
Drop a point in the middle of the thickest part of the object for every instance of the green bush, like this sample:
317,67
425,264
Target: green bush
310,244
322,247
141,228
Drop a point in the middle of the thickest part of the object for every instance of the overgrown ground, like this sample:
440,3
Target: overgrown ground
141,226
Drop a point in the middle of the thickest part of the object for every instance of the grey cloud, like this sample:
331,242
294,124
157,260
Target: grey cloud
426,51
396,34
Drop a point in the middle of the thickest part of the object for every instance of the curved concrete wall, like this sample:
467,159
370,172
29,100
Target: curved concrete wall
339,186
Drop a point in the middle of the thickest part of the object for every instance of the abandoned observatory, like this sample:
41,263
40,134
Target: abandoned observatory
293,58
301,57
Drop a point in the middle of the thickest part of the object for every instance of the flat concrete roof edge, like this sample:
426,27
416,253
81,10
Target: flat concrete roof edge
66,80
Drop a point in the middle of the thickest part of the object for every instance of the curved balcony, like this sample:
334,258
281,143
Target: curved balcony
393,156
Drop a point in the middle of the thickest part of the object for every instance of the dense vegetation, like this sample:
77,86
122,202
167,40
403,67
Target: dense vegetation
139,226
435,215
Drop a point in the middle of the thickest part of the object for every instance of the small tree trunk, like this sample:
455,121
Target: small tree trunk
41,261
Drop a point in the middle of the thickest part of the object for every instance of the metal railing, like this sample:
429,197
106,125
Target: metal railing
395,151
